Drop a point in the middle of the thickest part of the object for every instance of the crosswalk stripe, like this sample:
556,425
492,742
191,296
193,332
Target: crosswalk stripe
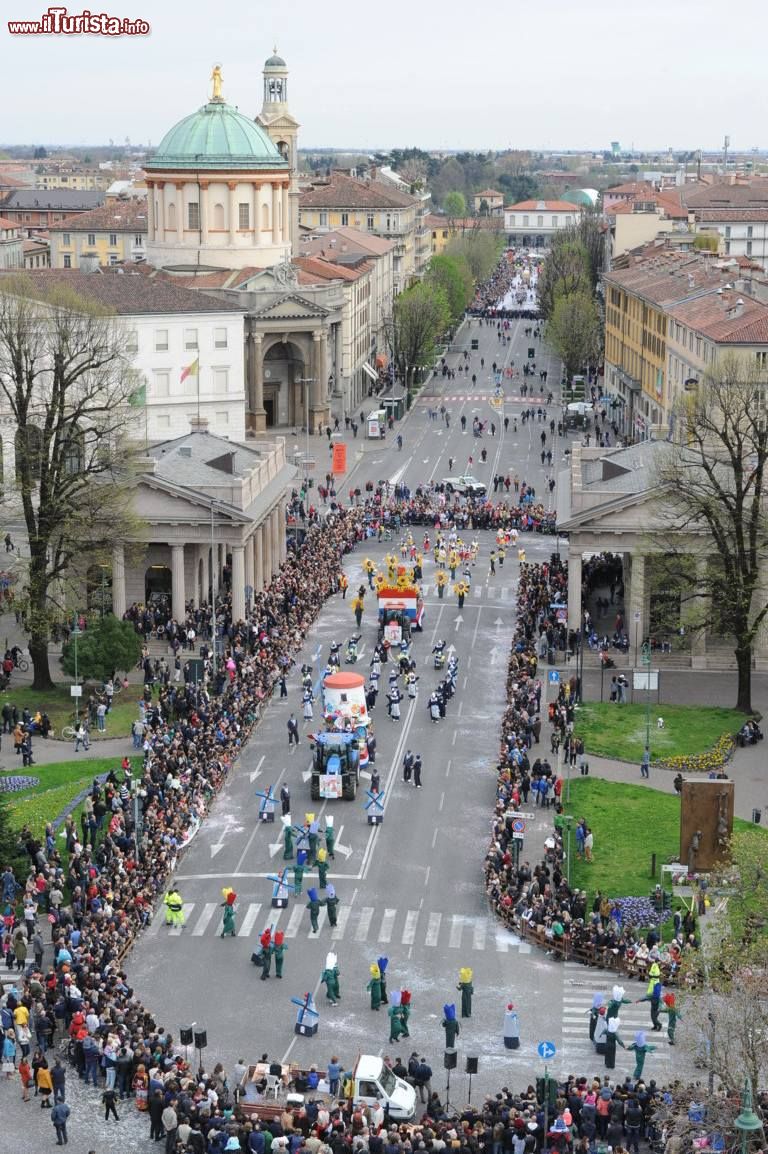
343,917
457,928
409,933
249,921
433,929
491,590
209,909
366,914
478,591
297,913
187,909
387,925
478,934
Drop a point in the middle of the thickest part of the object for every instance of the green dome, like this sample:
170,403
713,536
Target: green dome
217,136
275,62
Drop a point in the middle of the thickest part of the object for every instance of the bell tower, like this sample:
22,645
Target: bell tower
275,118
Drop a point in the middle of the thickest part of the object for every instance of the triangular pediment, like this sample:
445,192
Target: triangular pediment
291,307
636,512
156,501
279,120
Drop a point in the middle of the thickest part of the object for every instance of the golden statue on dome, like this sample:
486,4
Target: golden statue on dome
216,78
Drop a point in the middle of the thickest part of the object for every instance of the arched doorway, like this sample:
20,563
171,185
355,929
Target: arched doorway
157,587
284,394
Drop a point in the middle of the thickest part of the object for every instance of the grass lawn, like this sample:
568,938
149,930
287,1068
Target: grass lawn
618,731
629,823
58,784
58,704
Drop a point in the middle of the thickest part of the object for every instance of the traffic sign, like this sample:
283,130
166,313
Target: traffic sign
554,677
524,816
518,836
518,826
546,1050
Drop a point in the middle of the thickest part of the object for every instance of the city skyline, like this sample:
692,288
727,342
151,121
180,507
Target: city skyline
412,79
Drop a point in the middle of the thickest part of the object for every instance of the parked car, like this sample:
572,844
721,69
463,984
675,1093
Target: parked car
466,485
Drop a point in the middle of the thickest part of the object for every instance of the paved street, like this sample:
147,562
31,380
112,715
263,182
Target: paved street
412,889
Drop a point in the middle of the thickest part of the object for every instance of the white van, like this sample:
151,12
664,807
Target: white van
375,1084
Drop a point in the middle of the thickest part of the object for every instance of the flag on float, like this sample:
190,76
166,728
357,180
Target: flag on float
190,370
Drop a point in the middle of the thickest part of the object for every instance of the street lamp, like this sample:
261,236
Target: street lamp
308,381
747,1121
75,635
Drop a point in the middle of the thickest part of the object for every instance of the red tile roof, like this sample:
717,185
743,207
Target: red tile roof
342,191
114,216
324,270
5,223
712,316
128,293
542,206
633,188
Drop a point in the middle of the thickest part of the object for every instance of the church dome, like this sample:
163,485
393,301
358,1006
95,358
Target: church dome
217,136
275,61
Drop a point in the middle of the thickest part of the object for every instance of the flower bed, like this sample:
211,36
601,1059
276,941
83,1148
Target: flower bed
18,782
710,761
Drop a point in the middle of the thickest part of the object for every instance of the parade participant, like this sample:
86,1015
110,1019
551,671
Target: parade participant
312,835
511,1028
285,800
322,867
278,949
374,986
417,771
307,703
601,1030
174,909
405,1010
330,978
653,994
617,1001
331,904
598,1007
228,926
674,1016
407,766
287,838
313,905
393,703
467,990
612,1040
397,1025
382,964
411,682
450,1025
641,1048
298,871
330,837
264,957
434,707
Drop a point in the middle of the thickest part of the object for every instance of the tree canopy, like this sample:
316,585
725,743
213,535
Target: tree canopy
421,315
575,330
451,273
104,648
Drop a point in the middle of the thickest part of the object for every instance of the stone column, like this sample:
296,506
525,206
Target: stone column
275,214
286,214
118,581
160,218
204,218
178,596
206,572
274,521
266,540
232,186
150,211
574,589
238,583
249,569
316,406
256,384
258,559
257,214
637,621
179,213
283,508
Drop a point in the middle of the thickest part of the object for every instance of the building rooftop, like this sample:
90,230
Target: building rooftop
114,216
342,191
54,199
728,317
202,459
126,293
322,267
216,137
5,223
344,240
667,277
540,206
752,195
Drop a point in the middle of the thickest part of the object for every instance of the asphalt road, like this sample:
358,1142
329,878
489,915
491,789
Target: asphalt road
411,889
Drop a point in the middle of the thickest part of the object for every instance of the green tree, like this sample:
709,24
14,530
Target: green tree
66,379
421,315
455,205
714,479
10,854
565,271
451,273
105,648
575,330
480,248
587,231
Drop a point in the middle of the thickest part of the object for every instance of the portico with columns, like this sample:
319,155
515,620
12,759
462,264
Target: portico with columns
215,516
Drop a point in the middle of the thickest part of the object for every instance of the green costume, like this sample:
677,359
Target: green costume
674,1016
313,905
332,905
331,979
229,921
467,990
330,841
640,1052
266,963
397,1025
287,843
375,989
312,848
452,1030
279,952
322,872
298,877
617,1001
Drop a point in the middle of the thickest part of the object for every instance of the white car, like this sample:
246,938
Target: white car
465,485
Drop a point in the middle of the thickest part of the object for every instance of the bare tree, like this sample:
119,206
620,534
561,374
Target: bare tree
67,380
421,315
715,480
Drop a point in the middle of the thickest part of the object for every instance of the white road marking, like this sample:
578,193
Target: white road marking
175,931
366,914
409,933
297,913
337,933
249,921
433,929
209,909
387,925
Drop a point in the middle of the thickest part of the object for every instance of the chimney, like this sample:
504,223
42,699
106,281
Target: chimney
198,424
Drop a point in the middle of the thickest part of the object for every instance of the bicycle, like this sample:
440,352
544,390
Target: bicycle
22,665
68,732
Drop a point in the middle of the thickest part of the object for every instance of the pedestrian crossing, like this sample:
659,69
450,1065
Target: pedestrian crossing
476,592
363,924
578,1052
435,402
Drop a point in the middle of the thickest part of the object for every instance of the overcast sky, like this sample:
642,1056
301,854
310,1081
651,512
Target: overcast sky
486,74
